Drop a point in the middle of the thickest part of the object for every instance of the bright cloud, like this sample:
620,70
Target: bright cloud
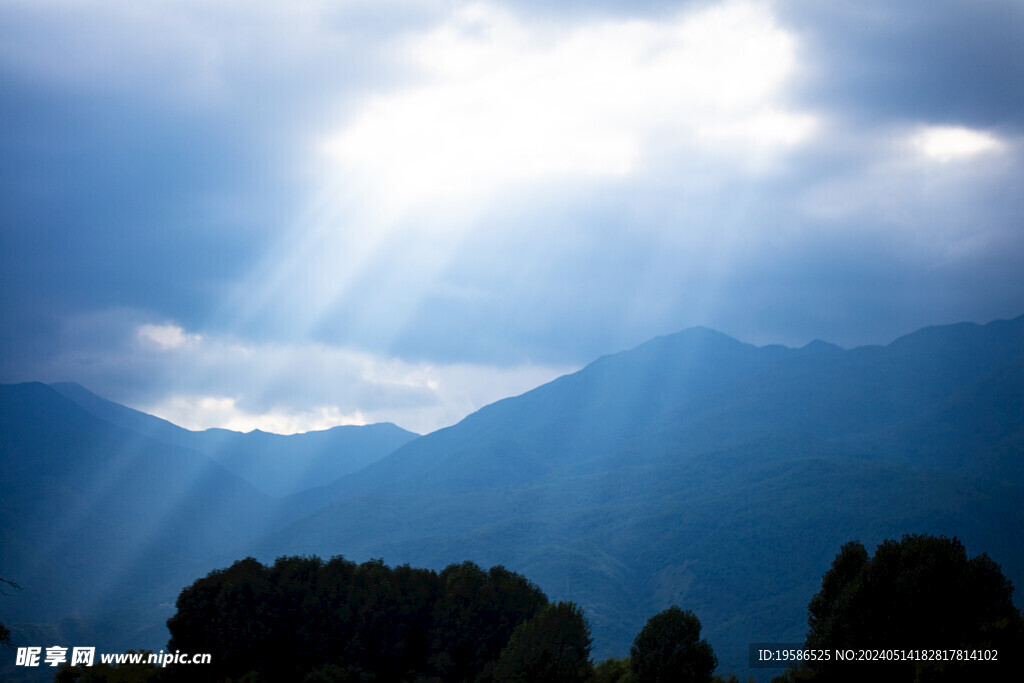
952,143
217,381
454,391
164,337
501,101
205,412
214,380
325,387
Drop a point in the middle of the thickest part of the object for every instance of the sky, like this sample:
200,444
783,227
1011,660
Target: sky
289,216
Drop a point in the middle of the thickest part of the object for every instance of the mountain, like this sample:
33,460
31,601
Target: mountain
698,470
273,463
106,513
94,515
694,470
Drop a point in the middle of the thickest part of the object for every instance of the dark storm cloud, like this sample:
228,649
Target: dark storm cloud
109,201
943,61
152,155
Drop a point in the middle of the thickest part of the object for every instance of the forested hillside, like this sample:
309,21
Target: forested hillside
699,469
693,470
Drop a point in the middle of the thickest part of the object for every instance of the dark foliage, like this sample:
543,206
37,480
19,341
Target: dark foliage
552,647
919,593
669,649
111,673
303,618
614,671
475,617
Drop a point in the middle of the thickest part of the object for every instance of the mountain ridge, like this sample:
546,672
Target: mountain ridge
584,380
659,435
693,469
276,464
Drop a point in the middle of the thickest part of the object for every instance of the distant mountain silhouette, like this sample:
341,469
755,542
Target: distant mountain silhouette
702,390
95,516
106,512
693,470
274,463
698,470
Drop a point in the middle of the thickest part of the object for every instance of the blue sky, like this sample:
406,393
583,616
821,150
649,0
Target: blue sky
294,215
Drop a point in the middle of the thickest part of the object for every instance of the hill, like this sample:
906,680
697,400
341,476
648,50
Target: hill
274,463
106,512
702,471
693,470
96,517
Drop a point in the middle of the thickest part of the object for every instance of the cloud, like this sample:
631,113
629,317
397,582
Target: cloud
165,337
923,180
206,380
942,61
205,412
501,100
192,55
950,143
502,138
402,210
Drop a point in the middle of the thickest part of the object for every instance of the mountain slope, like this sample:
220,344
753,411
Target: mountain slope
700,390
273,463
700,470
93,515
693,470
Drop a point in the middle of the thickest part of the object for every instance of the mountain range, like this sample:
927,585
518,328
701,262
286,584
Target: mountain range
693,470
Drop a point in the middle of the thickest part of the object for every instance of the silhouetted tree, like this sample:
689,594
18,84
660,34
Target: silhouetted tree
231,615
341,621
551,647
919,593
669,649
475,617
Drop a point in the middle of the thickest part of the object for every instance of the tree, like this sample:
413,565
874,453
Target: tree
340,621
475,617
614,671
551,647
669,650
232,614
919,593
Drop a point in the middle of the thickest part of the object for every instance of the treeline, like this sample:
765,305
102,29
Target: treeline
303,619
311,621
306,620
920,596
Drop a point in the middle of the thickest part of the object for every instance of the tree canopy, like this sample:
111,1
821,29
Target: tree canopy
919,593
551,647
669,649
342,621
